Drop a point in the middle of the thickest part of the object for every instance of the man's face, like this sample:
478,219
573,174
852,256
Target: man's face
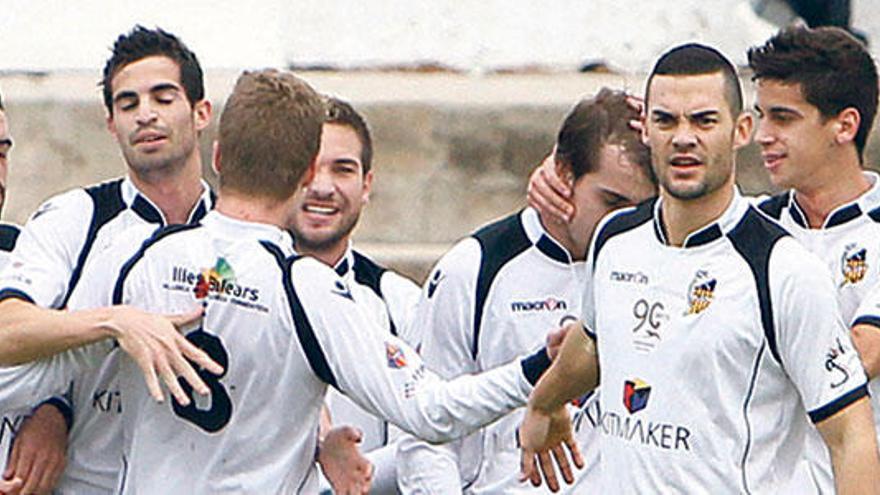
795,140
616,182
692,134
152,120
327,206
5,146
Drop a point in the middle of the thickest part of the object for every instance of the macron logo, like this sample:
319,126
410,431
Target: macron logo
549,304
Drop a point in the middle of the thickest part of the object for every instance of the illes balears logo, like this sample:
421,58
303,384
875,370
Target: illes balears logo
219,279
700,292
853,264
635,395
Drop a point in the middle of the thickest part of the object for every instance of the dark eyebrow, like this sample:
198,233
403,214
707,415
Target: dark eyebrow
705,113
164,87
617,196
6,142
122,95
661,113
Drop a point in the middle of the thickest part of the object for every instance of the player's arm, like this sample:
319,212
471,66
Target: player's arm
546,426
386,377
850,438
866,332
444,318
815,349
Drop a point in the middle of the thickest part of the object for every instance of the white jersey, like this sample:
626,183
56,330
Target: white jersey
10,420
283,328
392,299
493,296
847,242
713,355
55,246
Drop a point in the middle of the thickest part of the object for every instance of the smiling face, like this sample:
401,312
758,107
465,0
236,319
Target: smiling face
692,134
152,120
797,142
328,206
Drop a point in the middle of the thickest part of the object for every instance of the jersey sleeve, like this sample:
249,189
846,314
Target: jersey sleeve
402,296
445,316
868,312
385,376
813,342
29,384
47,251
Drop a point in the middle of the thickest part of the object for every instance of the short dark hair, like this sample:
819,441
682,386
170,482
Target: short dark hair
595,122
694,59
833,69
140,43
342,113
270,132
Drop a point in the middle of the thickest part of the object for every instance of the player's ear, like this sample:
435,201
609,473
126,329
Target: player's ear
202,114
742,132
846,125
368,186
215,158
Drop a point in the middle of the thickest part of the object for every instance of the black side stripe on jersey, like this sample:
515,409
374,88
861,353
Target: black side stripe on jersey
774,205
125,271
304,331
500,242
367,272
875,214
8,236
839,404
754,238
107,200
622,222
745,409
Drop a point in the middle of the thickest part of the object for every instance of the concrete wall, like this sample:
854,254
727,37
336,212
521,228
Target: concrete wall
452,152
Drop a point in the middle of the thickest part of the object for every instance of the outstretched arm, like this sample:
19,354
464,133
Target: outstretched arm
546,426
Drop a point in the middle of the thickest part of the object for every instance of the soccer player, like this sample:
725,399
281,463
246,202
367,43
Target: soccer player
496,293
711,361
283,327
326,210
816,101
154,94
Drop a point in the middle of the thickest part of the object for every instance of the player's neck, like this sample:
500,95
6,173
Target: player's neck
682,217
562,234
174,196
247,208
836,185
329,255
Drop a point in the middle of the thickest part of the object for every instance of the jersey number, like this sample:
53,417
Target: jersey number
217,416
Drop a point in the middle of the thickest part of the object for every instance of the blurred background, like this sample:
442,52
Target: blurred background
463,98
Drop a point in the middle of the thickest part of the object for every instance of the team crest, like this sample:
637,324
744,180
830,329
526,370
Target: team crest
635,395
853,264
396,358
700,292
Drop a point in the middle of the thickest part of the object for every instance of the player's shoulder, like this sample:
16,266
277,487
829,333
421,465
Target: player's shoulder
621,221
378,277
756,236
503,238
8,236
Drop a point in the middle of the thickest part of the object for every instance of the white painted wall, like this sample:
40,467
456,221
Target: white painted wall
464,34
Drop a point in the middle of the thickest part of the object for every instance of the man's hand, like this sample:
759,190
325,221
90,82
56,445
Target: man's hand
39,452
549,194
541,436
10,487
159,349
348,472
556,337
